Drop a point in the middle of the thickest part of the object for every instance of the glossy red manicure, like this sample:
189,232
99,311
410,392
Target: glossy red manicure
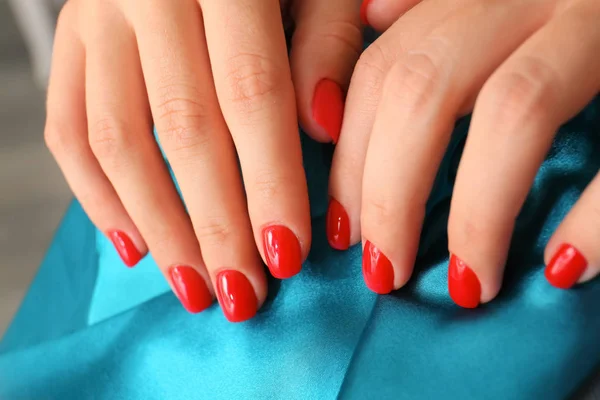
190,288
328,107
566,267
377,270
236,296
338,226
463,284
363,12
125,247
282,251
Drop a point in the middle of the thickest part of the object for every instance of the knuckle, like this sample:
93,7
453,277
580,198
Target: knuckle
525,92
58,138
251,79
184,122
334,34
108,140
414,81
375,60
214,231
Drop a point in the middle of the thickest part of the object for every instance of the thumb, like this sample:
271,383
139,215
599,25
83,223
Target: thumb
325,47
381,14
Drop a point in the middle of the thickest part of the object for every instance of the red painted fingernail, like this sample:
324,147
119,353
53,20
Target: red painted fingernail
190,288
377,270
125,247
566,267
328,107
363,12
282,251
338,226
236,296
463,284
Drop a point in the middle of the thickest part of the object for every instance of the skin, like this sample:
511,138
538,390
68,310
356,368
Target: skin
522,67
215,79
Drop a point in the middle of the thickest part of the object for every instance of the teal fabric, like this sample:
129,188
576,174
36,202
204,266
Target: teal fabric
89,328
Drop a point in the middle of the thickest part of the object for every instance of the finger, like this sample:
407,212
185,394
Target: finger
572,255
345,183
423,93
200,150
66,137
544,83
325,47
381,14
253,82
121,138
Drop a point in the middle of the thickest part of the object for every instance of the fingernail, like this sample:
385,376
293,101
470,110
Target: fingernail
328,107
377,270
125,247
236,296
338,226
463,284
282,251
566,267
363,12
190,288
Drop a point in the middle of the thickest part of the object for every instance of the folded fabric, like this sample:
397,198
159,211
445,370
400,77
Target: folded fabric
89,328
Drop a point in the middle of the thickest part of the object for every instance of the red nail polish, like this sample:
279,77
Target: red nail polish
125,247
282,251
338,226
377,270
328,107
363,12
190,288
566,267
463,284
236,296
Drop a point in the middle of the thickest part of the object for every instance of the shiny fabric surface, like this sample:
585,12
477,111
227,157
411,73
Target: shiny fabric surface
90,328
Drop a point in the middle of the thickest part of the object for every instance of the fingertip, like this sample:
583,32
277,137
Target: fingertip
381,14
236,295
566,267
191,288
282,251
129,252
463,284
377,270
328,109
364,8
469,288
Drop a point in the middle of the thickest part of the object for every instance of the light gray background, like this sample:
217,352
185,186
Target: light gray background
33,194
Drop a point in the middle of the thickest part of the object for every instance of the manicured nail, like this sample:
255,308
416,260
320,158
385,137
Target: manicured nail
463,284
338,226
125,247
190,288
363,12
377,270
566,267
282,251
236,296
328,107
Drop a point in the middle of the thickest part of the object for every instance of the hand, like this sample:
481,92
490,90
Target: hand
214,78
530,66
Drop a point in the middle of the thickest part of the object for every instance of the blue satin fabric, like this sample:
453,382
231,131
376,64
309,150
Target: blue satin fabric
91,328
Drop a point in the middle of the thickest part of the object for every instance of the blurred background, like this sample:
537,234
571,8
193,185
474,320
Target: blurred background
33,194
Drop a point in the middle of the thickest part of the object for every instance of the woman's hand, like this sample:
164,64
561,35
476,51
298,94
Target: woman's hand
525,67
214,78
